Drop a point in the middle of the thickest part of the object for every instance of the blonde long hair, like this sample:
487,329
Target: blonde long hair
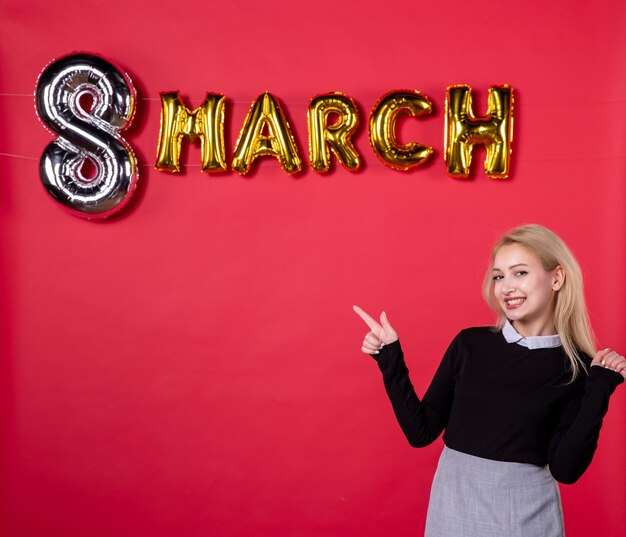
570,312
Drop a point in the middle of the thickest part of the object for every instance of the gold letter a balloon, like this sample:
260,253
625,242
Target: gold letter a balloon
266,132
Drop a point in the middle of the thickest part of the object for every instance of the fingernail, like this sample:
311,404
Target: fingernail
381,345
376,352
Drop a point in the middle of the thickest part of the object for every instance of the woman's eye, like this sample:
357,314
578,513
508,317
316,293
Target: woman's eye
497,277
521,273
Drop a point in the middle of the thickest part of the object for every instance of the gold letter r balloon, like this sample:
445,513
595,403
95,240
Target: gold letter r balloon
325,137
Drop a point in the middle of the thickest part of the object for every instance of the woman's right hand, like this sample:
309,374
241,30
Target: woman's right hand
379,334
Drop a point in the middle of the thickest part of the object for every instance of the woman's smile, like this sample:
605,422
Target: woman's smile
514,302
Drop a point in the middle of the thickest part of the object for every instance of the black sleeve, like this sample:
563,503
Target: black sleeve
421,421
576,437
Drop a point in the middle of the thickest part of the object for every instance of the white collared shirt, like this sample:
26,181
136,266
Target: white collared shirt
532,342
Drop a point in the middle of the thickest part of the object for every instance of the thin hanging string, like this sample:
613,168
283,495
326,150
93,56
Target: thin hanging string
296,103
26,157
378,164
375,162
17,156
158,99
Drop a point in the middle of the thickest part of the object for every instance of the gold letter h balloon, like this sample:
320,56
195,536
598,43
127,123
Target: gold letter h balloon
463,130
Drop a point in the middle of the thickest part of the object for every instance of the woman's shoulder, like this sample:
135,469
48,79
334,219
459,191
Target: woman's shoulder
480,330
479,335
490,332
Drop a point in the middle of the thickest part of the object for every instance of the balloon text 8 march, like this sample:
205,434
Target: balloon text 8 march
94,135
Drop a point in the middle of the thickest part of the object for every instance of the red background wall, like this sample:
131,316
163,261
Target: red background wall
192,367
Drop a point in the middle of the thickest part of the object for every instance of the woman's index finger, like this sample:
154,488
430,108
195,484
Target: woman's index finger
369,321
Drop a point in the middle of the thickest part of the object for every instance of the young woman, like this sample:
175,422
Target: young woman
521,403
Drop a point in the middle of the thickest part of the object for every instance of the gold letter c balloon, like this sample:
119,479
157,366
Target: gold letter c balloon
382,129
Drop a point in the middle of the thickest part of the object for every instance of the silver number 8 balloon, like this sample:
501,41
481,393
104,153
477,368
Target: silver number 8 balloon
88,136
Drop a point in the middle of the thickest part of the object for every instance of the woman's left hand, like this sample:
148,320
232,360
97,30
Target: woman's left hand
611,360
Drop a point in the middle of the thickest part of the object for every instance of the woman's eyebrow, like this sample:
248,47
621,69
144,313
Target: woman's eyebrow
511,267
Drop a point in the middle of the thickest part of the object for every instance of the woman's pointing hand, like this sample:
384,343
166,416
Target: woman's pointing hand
380,334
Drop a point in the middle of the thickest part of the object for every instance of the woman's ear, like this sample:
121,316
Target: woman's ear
558,278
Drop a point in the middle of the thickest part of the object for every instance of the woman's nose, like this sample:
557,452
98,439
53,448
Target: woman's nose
508,286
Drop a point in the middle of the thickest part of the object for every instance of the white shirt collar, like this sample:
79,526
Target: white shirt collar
532,342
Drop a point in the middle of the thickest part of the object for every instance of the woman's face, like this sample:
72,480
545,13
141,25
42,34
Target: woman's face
525,290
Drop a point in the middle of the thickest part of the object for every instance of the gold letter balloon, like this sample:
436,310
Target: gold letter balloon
266,131
205,122
383,129
325,136
463,130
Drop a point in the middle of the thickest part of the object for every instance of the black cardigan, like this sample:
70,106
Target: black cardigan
504,402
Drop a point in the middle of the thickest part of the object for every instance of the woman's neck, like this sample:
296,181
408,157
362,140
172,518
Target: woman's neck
545,328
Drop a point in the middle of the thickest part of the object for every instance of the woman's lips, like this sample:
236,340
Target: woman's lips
512,303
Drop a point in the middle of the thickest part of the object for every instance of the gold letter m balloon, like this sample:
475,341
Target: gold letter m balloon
494,131
178,122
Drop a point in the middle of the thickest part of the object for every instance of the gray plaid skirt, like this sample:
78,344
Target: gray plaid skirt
476,497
